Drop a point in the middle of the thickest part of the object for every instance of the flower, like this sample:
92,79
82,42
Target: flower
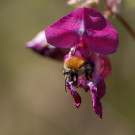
90,37
86,29
82,3
40,45
74,94
113,7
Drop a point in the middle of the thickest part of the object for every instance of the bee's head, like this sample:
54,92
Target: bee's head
69,74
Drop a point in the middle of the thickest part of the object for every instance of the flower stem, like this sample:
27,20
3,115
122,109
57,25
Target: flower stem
127,26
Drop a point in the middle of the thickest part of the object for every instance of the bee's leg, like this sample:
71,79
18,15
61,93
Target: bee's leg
76,80
91,74
86,74
64,72
92,69
72,76
66,84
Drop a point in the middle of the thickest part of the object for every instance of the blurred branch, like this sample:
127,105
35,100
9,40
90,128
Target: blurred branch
126,25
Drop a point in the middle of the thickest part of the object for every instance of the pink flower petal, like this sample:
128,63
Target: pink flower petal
107,67
74,94
64,33
99,63
82,83
38,42
95,100
102,65
101,87
87,25
40,46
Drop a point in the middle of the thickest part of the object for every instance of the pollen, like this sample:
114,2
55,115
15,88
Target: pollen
74,63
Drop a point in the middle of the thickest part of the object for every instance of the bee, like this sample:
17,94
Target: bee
75,67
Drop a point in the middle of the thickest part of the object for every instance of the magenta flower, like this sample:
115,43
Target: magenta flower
91,37
86,29
40,45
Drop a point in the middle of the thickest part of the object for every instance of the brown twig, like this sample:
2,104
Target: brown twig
127,26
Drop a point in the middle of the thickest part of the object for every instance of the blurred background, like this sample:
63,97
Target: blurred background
32,96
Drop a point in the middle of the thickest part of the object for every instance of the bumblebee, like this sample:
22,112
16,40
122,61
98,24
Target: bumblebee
75,67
